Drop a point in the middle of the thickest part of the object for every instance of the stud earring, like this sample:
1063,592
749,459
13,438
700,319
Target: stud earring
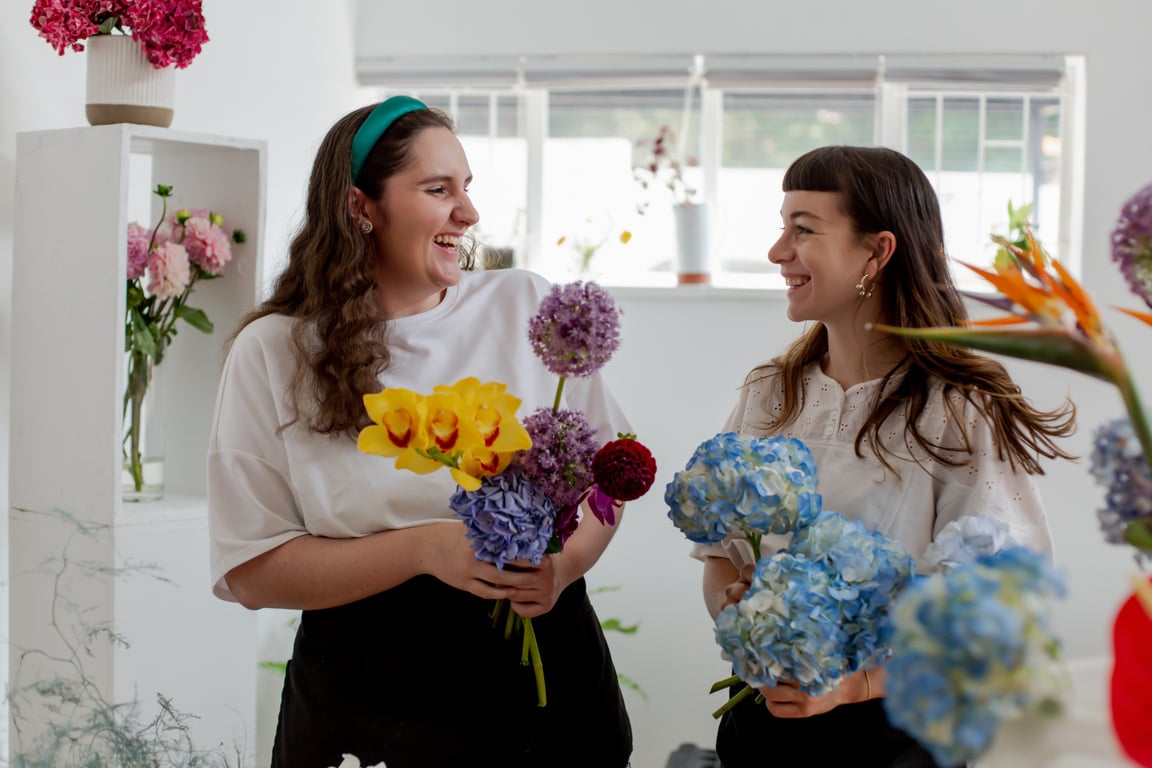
366,226
863,288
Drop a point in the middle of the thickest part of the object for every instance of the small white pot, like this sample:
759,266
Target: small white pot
124,87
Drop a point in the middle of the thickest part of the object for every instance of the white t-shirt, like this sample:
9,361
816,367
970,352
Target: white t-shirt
265,489
912,507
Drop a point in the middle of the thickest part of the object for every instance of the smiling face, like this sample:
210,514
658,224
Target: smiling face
821,258
419,219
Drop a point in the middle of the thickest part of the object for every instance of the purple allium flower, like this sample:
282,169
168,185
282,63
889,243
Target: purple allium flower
576,329
1118,464
560,459
508,518
1132,243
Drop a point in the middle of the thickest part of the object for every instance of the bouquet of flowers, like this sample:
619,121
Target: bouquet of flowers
815,610
971,643
521,484
1059,324
164,265
170,32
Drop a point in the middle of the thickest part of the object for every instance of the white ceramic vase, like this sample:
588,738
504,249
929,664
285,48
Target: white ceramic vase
124,87
692,258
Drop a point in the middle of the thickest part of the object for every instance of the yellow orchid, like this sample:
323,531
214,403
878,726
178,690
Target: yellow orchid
399,429
469,427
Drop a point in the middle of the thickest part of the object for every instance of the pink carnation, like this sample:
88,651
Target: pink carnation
168,273
138,238
208,246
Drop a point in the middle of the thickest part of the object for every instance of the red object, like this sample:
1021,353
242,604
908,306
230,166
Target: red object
624,469
1132,680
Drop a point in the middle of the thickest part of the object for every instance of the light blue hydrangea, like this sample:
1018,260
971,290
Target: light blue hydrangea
757,485
787,626
971,645
816,610
963,540
870,569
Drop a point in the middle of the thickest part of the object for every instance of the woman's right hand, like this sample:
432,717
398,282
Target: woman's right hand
448,555
735,591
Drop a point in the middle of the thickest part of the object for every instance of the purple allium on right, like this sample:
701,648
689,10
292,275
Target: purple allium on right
1132,243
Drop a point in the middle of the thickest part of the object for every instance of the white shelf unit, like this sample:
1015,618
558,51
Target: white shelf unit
81,558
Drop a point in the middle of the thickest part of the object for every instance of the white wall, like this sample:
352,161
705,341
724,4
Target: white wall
282,71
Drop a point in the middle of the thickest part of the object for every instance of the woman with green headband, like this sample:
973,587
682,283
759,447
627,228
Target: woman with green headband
395,658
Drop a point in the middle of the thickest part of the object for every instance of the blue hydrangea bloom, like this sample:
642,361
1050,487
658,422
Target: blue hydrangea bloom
752,484
1118,464
507,518
971,645
787,626
870,570
963,540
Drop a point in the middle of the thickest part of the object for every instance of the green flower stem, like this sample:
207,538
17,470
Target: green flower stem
509,622
134,407
754,540
745,692
559,391
537,663
1136,413
495,614
727,682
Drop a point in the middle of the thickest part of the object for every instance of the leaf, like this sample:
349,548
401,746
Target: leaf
135,295
606,588
194,317
1042,345
628,682
143,336
278,666
1139,534
614,625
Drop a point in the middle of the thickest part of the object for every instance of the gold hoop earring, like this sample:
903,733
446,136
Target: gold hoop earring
366,226
863,288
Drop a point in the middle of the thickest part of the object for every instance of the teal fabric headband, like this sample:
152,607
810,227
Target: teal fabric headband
373,128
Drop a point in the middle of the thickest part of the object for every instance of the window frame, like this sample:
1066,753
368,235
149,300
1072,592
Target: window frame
892,81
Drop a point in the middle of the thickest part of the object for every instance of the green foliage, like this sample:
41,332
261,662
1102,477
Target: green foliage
76,725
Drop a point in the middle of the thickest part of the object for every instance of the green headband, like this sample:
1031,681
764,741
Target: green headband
373,128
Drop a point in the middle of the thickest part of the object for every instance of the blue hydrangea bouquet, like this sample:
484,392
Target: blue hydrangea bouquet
815,609
971,641
521,484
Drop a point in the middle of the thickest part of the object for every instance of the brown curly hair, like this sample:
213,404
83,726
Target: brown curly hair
329,287
882,190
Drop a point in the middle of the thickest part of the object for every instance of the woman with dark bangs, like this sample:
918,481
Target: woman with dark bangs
908,435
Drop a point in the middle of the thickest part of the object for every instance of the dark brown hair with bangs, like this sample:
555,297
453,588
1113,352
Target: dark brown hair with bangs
328,285
882,190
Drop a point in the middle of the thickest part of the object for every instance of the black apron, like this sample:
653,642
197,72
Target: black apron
418,677
857,735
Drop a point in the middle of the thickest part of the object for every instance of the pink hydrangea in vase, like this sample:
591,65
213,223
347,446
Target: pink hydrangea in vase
133,46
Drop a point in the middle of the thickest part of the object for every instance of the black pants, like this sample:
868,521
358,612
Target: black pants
857,735
417,677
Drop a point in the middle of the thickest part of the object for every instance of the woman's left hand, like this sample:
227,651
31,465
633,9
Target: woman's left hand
786,700
537,587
